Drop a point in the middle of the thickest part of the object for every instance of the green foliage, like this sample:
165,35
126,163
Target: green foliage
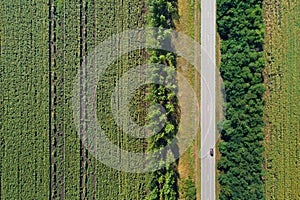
241,28
189,189
162,184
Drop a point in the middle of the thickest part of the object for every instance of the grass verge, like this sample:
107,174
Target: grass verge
189,23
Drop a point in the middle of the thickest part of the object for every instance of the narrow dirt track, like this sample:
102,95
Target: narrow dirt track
197,91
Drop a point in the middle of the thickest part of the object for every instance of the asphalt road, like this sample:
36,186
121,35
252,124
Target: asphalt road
208,85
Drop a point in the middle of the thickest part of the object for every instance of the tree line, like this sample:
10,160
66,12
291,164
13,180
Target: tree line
162,183
241,28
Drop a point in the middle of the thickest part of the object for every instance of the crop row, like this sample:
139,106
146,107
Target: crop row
79,27
115,17
282,121
24,102
43,156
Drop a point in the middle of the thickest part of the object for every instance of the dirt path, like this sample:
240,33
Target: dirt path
197,90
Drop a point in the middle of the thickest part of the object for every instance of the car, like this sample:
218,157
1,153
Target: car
211,151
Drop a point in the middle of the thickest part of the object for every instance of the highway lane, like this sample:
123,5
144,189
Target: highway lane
208,98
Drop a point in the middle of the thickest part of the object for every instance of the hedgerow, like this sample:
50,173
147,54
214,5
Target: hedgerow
241,29
162,184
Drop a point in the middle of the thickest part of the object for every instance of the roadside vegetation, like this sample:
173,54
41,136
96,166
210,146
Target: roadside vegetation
241,28
163,183
188,22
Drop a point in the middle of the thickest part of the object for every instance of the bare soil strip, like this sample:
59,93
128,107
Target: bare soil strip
197,86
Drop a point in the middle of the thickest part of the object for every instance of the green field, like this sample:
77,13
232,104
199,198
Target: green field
24,100
42,48
282,50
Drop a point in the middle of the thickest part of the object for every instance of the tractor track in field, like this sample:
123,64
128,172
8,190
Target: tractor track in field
50,95
82,109
95,98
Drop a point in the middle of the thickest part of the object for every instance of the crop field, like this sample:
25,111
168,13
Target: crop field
24,100
282,50
43,44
